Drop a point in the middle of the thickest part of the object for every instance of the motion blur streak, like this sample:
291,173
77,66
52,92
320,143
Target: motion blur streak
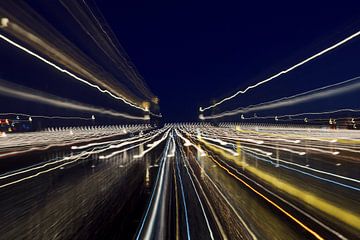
184,201
105,67
46,117
60,163
92,22
197,195
308,113
274,204
317,202
16,91
70,74
188,143
147,227
154,145
233,181
332,90
253,236
284,71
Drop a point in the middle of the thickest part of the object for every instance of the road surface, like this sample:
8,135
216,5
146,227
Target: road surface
182,181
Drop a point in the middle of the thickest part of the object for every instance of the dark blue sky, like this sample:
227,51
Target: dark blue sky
192,52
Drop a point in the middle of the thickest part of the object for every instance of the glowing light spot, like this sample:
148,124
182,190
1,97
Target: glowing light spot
4,22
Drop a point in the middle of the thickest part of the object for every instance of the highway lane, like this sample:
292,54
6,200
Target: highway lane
321,203
157,216
198,220
185,181
232,191
240,214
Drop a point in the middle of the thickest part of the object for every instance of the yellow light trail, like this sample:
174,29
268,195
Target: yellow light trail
306,197
290,204
270,201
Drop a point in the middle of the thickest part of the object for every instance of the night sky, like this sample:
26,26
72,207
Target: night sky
192,52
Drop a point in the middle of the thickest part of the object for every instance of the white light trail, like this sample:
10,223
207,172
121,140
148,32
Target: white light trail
332,90
173,149
46,117
217,188
284,71
126,101
221,142
153,145
309,113
144,141
155,198
188,143
19,143
315,147
16,91
280,116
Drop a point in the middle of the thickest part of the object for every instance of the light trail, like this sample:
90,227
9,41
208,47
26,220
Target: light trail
252,234
177,232
102,143
153,145
222,143
16,91
114,54
68,160
47,117
198,197
316,235
173,149
309,113
126,101
189,143
154,204
302,137
81,155
313,200
304,197
301,153
202,117
214,215
37,174
268,154
302,172
20,143
332,90
284,71
275,146
184,201
273,194
285,201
